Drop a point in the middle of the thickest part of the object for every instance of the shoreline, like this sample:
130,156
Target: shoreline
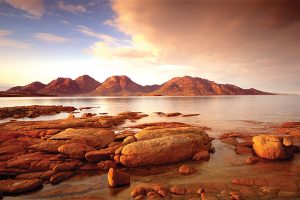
34,133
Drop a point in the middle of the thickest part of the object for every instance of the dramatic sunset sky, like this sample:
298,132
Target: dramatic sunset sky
250,43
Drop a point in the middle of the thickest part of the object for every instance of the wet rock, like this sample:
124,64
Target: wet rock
32,111
61,176
102,154
202,155
138,190
229,140
94,137
75,150
19,186
172,114
178,190
140,197
107,164
207,196
243,181
162,193
235,195
294,133
269,190
67,166
271,147
252,160
186,170
200,191
243,150
117,178
189,115
163,150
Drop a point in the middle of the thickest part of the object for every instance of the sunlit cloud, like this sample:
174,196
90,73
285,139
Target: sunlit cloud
51,38
91,33
35,8
71,7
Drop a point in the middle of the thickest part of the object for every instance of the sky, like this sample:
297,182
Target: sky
249,43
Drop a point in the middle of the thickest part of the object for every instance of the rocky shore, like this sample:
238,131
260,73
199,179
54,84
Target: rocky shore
32,111
34,154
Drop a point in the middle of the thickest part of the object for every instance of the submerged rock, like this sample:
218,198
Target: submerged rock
272,147
186,170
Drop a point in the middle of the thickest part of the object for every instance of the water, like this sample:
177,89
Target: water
221,113
217,112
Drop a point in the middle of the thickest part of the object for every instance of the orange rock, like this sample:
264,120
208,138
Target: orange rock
117,178
178,190
19,186
243,150
186,170
202,155
74,150
102,154
107,164
59,177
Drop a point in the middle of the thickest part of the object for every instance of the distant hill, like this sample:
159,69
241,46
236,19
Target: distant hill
194,86
121,86
33,87
124,86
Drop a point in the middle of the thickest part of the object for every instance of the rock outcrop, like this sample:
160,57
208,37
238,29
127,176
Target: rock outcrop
272,147
168,146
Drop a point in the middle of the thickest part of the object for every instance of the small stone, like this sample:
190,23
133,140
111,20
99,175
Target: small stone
243,150
207,196
235,195
162,193
138,190
202,155
212,150
117,178
59,177
252,160
178,190
140,197
186,170
107,164
199,191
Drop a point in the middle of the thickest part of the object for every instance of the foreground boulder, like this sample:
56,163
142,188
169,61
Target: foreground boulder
272,147
19,186
163,150
117,178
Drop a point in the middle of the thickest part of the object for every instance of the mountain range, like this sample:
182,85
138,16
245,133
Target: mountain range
124,86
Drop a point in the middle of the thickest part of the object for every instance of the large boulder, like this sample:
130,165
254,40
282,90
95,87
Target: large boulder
272,147
94,137
75,150
163,150
147,134
19,186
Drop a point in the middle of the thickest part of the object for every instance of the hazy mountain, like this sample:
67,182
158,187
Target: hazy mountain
86,83
124,86
33,87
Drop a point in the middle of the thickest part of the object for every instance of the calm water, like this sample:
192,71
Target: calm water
221,113
218,112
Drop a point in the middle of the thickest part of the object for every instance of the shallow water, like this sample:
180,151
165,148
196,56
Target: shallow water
251,114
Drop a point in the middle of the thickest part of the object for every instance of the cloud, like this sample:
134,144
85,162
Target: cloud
91,33
35,8
51,38
4,32
71,7
225,41
10,43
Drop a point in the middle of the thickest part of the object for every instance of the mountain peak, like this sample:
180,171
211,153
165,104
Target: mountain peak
86,83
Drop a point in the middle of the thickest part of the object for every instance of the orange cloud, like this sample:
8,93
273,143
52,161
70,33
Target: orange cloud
227,41
51,38
33,7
